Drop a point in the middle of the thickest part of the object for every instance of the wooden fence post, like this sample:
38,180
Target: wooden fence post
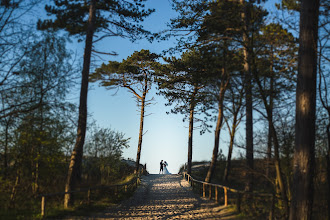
43,206
225,195
216,193
116,190
239,198
203,189
89,196
210,192
271,213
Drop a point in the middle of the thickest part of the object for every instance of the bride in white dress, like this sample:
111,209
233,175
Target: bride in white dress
165,168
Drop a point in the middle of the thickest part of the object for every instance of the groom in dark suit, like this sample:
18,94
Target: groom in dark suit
161,167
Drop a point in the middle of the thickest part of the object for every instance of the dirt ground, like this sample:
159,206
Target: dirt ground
166,197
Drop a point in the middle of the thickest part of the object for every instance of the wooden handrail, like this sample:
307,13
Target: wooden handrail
86,189
212,184
228,188
239,193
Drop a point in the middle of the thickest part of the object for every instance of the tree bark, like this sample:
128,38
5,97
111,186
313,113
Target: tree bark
5,156
328,168
304,154
138,155
269,142
35,163
326,106
278,169
248,96
14,189
74,172
231,146
273,135
191,130
236,107
223,88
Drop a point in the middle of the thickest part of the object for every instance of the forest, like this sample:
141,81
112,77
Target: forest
234,64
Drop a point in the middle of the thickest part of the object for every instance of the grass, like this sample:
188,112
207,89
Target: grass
80,210
55,210
100,200
21,214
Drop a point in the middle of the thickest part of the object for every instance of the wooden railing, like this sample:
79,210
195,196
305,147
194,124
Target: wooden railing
207,188
117,188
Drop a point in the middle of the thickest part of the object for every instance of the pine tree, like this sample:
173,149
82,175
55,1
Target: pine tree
304,154
184,83
274,67
84,19
136,73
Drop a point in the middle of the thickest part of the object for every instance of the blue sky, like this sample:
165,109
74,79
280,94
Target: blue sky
166,136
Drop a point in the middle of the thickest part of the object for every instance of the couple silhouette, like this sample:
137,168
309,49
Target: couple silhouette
163,167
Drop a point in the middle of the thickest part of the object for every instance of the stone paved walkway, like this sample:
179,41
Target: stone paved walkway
166,197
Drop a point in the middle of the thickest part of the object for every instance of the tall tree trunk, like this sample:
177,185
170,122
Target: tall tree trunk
327,108
272,130
248,95
269,150
35,175
14,189
231,145
223,88
74,172
5,156
191,129
304,154
138,155
190,138
328,167
35,183
269,142
278,169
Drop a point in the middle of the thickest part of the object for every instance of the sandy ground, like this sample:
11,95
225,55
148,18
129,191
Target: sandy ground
166,197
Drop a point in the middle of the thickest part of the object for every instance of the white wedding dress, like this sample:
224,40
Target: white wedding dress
165,171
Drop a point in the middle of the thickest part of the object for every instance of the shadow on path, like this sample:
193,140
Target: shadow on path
166,197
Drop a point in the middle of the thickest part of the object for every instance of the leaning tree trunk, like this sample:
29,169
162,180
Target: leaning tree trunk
223,88
304,154
138,154
278,169
231,146
74,172
14,189
273,136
